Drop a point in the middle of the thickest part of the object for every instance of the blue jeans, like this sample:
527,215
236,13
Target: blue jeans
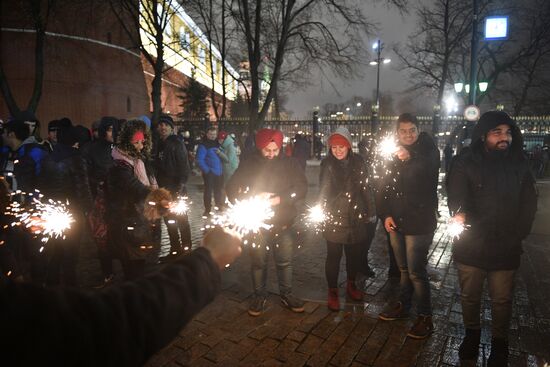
280,243
501,290
411,254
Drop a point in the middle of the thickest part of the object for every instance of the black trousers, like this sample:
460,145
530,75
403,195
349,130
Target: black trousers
213,186
179,232
332,263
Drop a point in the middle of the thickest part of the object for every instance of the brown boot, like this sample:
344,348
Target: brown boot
394,312
333,302
422,327
354,293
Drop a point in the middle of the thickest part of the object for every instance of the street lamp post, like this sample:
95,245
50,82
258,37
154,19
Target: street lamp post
473,55
378,46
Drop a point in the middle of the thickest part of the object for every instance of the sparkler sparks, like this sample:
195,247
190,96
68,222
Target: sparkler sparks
50,219
180,206
455,229
246,216
387,147
316,217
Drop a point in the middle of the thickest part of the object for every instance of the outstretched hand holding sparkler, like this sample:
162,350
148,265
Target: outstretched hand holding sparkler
316,217
247,215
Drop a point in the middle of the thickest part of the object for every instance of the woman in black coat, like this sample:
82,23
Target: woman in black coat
349,202
128,187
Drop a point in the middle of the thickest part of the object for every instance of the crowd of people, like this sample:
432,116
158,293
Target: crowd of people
124,176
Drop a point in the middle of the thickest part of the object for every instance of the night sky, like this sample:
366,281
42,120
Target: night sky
393,28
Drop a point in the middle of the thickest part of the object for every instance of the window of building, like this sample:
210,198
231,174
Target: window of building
202,55
185,41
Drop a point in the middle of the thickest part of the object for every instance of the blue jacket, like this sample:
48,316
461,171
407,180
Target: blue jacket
29,158
207,157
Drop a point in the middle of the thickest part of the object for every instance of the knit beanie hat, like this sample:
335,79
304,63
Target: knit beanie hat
166,119
340,136
337,139
266,136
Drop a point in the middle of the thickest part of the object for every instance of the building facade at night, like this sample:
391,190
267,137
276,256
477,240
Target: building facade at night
91,67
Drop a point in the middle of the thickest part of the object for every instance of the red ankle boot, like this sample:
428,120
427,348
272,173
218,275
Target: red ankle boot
354,293
333,300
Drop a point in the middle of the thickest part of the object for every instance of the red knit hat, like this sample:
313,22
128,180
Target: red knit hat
337,139
222,135
266,136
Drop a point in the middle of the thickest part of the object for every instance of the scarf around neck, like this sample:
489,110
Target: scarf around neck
138,165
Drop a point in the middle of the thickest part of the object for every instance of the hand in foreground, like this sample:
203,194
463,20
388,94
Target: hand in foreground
402,154
224,245
273,200
459,218
389,225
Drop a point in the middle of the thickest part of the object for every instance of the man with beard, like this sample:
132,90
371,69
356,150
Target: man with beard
280,179
491,191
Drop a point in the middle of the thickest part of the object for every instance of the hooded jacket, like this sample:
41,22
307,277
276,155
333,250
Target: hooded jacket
496,192
345,190
228,155
410,189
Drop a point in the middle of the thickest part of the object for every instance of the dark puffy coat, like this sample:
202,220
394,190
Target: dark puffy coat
496,191
98,160
29,166
122,325
410,189
281,176
172,164
349,199
64,176
125,196
207,157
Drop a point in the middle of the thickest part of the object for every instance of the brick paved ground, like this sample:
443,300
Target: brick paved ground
224,334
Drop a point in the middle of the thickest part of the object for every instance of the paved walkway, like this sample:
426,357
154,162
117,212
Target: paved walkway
224,334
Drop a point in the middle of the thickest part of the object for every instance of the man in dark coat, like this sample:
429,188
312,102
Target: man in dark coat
172,171
64,178
99,160
122,325
409,210
270,174
492,191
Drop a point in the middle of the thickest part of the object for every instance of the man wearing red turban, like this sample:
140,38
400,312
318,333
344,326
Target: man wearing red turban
273,175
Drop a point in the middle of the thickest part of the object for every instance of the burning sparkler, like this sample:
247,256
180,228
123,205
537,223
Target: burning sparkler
316,217
51,219
246,216
387,147
180,206
455,228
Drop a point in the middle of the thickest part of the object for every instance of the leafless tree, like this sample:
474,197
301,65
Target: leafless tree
151,18
38,14
327,32
431,52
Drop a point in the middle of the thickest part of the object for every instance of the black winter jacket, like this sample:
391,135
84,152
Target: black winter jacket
281,176
172,164
410,190
64,177
122,325
498,196
99,160
125,197
344,187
